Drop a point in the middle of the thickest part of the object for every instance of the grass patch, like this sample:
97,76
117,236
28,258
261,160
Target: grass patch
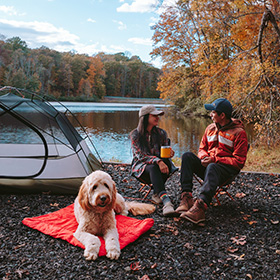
263,159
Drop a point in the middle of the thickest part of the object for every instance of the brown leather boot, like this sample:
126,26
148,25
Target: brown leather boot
197,213
186,202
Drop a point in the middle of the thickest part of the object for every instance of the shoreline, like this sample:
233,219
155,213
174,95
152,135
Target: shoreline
119,99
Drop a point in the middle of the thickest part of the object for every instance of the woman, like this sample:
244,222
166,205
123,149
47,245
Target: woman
147,165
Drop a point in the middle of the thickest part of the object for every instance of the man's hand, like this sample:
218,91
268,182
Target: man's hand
205,161
163,167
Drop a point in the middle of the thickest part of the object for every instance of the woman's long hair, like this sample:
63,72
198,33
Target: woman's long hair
143,124
141,131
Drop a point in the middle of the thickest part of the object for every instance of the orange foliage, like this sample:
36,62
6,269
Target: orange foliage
223,48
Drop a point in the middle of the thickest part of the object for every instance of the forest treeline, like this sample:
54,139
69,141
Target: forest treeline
209,49
223,48
68,75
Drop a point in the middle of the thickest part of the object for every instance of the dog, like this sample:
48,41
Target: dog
95,208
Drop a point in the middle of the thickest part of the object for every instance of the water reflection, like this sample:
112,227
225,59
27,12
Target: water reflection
185,133
109,128
109,132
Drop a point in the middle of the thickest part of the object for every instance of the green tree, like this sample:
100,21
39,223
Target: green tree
16,43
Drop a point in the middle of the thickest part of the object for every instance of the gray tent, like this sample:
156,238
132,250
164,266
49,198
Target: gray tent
40,150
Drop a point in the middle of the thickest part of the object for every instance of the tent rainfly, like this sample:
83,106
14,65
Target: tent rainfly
40,149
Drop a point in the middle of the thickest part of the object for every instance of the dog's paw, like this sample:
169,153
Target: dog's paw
124,212
113,254
90,254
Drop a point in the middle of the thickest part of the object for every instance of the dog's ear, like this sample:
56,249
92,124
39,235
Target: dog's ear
114,193
83,197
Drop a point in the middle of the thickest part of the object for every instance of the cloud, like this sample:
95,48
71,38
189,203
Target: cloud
141,41
37,33
9,10
138,6
121,26
91,20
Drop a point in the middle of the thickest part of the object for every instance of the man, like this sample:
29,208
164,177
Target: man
222,154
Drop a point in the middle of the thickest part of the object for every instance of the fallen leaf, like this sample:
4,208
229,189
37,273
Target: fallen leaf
274,222
188,246
239,258
135,266
154,265
249,276
240,195
246,217
232,250
252,222
239,240
255,210
21,271
18,246
54,204
277,252
155,235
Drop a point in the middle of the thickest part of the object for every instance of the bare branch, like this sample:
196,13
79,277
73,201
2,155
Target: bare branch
267,16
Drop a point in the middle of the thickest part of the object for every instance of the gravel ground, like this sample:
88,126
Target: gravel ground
241,238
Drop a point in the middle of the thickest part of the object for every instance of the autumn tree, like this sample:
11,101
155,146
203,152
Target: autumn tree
79,64
75,76
5,60
21,72
222,48
96,75
46,68
65,76
84,88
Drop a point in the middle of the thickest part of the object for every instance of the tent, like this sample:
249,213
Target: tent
40,149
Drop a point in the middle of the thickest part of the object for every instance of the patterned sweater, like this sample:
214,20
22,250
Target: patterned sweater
151,155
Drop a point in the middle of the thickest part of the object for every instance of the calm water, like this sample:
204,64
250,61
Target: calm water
109,125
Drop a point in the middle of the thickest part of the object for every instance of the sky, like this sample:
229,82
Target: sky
84,26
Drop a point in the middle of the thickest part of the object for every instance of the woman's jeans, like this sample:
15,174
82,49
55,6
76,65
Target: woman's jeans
153,175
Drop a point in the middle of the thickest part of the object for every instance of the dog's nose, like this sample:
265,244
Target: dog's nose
103,197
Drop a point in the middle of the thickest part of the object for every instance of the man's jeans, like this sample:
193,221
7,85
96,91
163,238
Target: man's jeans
213,175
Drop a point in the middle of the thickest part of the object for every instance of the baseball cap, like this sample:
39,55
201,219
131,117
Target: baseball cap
149,109
220,105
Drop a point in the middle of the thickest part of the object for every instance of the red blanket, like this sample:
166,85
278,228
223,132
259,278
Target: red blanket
62,224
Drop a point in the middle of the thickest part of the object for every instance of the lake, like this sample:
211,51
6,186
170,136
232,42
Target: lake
109,125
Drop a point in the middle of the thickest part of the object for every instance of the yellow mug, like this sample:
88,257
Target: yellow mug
165,152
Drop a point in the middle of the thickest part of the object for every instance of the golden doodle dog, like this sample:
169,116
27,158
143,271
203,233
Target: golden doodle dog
95,208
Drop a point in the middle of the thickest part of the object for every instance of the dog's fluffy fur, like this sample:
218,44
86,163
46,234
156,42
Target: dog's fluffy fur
95,208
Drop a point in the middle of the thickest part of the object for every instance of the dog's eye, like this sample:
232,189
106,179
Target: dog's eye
106,186
94,187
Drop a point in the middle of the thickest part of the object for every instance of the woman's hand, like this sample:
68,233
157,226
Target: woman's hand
163,167
172,153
